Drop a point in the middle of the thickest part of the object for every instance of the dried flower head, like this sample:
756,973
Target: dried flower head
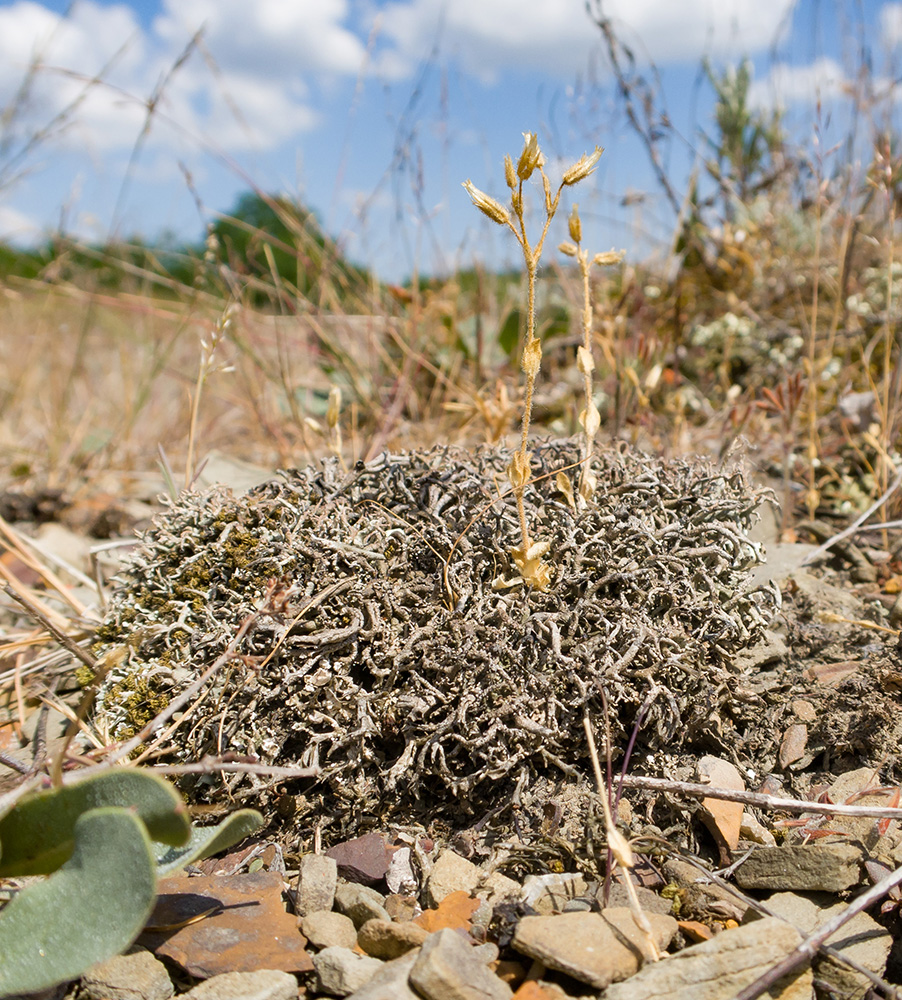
531,158
532,358
334,409
576,228
510,174
582,168
611,257
487,205
569,249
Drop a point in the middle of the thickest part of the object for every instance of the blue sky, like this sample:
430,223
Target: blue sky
373,113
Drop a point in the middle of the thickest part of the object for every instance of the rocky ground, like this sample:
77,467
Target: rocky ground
520,903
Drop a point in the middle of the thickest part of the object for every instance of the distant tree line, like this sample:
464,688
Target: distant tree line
268,250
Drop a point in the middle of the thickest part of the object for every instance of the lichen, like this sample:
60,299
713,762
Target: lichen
380,650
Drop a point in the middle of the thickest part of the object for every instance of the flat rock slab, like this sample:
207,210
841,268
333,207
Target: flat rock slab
239,924
718,969
816,867
595,948
862,939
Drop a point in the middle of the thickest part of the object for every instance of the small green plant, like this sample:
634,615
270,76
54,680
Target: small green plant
528,557
103,840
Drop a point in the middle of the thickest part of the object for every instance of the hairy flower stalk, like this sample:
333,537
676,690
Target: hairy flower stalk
589,418
528,557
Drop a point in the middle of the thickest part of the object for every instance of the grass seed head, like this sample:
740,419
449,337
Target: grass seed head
510,173
531,158
487,205
576,229
582,168
611,257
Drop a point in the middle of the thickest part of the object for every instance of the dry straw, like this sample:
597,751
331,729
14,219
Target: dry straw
528,556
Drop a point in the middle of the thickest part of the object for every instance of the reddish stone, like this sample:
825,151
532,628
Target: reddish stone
226,923
454,912
364,860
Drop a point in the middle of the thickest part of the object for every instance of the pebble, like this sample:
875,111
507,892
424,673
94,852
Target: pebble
264,984
548,894
360,903
327,929
364,859
387,939
138,976
317,881
390,982
447,969
340,971
451,873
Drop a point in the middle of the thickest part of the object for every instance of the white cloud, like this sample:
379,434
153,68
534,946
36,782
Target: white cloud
891,23
785,86
254,96
557,36
16,227
271,39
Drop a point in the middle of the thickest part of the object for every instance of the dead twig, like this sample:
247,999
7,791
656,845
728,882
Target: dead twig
64,640
757,798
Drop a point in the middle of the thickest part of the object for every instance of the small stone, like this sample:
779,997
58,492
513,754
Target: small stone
386,939
793,744
858,787
696,931
450,873
720,816
816,867
548,894
595,948
360,903
757,833
317,881
341,971
138,976
402,908
363,860
400,877
264,984
327,929
534,991
702,899
390,982
447,969
718,969
496,887
804,711
618,895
